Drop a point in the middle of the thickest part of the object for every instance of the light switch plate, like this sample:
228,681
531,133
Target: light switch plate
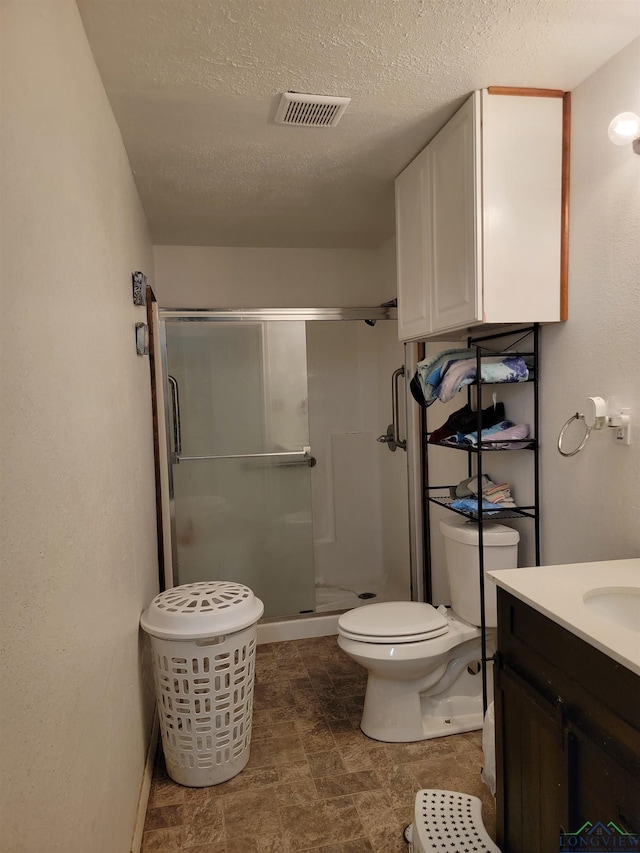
142,339
139,282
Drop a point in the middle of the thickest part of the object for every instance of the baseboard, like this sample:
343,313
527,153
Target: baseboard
145,787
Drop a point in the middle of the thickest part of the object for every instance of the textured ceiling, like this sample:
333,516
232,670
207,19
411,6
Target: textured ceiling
194,85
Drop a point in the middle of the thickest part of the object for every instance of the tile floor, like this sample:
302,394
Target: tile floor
314,781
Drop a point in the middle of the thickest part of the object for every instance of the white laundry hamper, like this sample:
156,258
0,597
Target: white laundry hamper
203,647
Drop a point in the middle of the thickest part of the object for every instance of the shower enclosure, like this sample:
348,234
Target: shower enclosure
278,474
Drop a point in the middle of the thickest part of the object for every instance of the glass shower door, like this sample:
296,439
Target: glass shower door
239,436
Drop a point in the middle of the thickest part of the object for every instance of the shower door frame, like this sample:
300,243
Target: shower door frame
235,315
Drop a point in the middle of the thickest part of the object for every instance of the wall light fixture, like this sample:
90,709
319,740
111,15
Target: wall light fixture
625,129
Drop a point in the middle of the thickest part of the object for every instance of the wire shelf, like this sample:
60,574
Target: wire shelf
486,515
489,446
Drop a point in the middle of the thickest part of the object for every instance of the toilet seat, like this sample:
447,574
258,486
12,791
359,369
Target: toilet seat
393,622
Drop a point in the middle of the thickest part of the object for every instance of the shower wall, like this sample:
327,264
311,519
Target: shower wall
359,488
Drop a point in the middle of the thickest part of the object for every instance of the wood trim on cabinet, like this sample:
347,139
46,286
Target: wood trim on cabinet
564,220
526,93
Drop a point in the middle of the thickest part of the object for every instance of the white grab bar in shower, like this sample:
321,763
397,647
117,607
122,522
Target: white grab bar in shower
400,442
305,453
175,411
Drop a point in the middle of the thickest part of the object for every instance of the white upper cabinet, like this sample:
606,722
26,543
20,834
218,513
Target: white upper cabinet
479,218
451,215
411,188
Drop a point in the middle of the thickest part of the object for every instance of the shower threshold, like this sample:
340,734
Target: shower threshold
331,601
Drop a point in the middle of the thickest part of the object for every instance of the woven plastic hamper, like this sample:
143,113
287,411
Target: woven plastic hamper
203,646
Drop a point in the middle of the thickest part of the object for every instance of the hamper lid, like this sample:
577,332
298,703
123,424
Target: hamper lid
201,610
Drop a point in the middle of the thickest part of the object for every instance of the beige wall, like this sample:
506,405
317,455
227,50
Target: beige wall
214,277
591,502
78,526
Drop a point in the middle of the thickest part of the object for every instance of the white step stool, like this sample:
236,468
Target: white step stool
448,822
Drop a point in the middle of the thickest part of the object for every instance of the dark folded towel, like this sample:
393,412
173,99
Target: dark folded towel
465,420
416,391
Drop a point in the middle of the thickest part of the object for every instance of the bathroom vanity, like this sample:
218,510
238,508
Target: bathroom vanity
567,702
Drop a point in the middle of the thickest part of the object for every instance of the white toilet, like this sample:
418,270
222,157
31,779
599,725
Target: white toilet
421,680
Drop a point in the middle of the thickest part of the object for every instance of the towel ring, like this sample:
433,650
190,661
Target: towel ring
577,417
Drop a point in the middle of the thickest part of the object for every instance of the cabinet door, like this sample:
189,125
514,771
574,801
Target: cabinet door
604,781
522,202
453,222
414,313
531,795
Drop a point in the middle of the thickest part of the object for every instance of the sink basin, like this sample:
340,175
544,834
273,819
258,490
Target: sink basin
618,604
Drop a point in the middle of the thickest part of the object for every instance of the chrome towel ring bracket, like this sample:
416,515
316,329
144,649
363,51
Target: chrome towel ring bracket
598,414
577,417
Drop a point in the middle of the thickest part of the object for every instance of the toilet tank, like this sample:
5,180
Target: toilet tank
461,555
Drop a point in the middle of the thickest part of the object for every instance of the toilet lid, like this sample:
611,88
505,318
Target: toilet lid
393,622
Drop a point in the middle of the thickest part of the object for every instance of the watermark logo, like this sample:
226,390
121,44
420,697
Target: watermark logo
598,836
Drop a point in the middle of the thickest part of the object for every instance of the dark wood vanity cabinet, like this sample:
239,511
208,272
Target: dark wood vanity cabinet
567,733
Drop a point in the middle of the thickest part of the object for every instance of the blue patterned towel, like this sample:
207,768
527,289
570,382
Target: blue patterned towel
442,376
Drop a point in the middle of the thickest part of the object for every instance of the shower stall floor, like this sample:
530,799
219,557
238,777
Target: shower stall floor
330,598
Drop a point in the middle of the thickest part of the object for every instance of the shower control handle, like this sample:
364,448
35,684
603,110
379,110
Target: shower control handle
388,438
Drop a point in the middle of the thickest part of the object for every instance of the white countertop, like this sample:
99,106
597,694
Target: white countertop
557,592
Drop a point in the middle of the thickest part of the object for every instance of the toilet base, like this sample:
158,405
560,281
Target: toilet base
451,715
405,714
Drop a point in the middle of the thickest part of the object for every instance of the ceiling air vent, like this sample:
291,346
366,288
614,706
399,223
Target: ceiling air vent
310,110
